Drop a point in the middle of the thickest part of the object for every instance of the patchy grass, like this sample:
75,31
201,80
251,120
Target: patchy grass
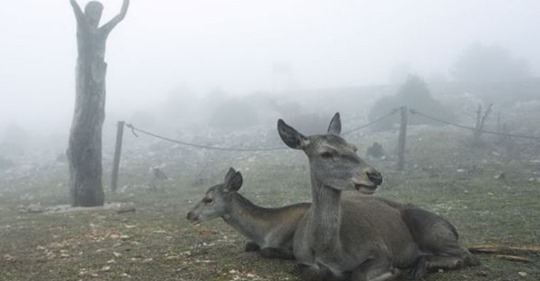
157,243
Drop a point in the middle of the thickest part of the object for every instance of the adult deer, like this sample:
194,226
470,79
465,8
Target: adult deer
437,238
269,230
362,238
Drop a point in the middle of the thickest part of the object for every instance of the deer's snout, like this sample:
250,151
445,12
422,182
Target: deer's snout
374,176
192,217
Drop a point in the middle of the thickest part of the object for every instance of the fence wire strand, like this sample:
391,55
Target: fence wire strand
372,122
135,129
414,112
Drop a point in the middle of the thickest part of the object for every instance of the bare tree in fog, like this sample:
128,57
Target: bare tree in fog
84,151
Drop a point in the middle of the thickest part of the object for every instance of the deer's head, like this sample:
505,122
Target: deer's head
217,200
333,162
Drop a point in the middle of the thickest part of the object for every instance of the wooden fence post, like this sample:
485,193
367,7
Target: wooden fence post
402,138
117,154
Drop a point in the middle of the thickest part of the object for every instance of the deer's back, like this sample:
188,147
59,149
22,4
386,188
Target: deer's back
430,231
282,223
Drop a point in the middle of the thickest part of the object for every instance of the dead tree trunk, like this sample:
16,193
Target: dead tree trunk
84,147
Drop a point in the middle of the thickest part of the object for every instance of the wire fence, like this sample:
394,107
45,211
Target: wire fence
136,130
415,112
394,111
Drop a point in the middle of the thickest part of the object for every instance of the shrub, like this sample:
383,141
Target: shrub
415,95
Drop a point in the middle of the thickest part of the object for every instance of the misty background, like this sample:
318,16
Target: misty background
177,63
218,74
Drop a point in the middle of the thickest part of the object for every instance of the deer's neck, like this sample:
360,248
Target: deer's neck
247,218
325,220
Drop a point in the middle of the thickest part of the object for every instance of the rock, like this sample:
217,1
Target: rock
500,176
64,255
32,208
462,173
375,150
126,209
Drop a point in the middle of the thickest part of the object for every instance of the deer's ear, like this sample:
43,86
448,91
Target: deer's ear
335,125
229,174
290,136
234,182
237,181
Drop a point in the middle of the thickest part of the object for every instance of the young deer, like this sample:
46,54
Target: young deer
269,230
362,238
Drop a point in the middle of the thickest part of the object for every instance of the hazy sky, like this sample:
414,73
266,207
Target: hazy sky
163,46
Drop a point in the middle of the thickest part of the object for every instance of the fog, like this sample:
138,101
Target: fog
186,50
439,106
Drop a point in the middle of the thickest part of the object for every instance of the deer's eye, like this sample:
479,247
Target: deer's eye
326,155
208,200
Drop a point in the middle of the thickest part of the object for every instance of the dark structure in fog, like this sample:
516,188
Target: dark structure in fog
84,151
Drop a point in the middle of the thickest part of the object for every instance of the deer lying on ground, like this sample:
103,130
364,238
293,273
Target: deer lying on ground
269,230
362,237
436,237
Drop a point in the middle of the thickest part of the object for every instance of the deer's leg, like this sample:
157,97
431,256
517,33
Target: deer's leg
451,262
470,259
375,269
435,262
312,273
451,256
252,247
419,270
437,236
276,253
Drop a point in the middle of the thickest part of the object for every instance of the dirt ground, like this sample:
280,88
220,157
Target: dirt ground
491,200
